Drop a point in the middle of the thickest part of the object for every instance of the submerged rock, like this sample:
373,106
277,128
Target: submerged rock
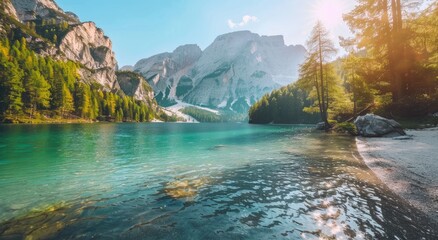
372,125
185,188
43,223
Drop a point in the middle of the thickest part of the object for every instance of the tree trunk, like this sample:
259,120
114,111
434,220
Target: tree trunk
354,94
389,37
318,93
323,99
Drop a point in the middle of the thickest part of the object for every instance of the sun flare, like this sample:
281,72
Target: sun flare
329,12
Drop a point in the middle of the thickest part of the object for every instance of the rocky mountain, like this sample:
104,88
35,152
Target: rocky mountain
81,42
73,66
165,71
232,73
133,84
88,45
30,10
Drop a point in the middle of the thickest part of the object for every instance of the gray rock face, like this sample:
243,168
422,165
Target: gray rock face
164,71
83,43
127,68
87,44
372,125
232,73
28,10
133,84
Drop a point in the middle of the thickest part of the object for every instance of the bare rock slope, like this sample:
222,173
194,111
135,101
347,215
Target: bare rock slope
232,73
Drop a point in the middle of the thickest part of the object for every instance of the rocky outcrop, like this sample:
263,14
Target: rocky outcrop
9,9
29,10
127,68
83,43
164,71
372,125
232,73
134,85
88,45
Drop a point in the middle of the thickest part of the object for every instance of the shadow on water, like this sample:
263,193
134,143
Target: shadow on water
317,189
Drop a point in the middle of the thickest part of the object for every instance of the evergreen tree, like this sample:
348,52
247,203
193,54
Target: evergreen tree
38,92
67,101
11,87
314,70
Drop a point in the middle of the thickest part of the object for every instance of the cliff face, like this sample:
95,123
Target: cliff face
84,43
232,73
87,44
164,71
133,84
29,10
10,9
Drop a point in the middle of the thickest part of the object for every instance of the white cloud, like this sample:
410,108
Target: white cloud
245,20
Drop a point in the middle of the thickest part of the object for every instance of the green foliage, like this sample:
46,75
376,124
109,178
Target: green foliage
346,127
32,84
398,47
283,106
11,87
51,29
202,115
316,74
413,106
392,64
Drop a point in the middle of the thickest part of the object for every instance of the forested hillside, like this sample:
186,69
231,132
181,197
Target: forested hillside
283,106
391,68
33,86
47,76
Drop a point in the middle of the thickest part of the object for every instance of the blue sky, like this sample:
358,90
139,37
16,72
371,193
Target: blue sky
142,28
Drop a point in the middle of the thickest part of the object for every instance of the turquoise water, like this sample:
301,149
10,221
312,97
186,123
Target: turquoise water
193,181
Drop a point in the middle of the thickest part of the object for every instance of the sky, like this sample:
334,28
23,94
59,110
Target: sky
142,28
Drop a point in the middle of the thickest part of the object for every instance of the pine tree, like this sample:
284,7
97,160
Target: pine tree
320,49
38,92
67,101
11,87
380,28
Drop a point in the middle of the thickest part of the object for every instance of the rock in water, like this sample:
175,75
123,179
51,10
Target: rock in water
372,125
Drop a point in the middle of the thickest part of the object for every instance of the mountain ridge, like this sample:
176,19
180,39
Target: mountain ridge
73,63
233,72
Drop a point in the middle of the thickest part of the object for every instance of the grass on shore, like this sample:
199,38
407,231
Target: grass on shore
41,119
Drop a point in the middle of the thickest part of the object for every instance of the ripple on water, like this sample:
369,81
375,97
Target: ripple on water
308,188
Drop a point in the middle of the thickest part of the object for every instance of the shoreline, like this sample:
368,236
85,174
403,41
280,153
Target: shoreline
408,167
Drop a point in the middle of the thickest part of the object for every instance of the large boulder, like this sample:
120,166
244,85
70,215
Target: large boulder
372,125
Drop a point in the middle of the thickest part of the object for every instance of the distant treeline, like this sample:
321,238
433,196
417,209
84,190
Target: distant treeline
283,106
202,115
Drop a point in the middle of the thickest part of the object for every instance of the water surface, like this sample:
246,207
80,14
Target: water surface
193,181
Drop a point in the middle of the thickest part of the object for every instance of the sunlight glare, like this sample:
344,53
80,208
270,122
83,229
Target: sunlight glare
329,12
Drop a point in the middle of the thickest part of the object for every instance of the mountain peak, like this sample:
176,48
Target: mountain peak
234,71
245,34
29,10
186,48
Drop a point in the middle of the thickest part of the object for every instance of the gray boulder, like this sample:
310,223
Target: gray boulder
372,125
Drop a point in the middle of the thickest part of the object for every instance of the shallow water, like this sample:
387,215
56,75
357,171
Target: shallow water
193,181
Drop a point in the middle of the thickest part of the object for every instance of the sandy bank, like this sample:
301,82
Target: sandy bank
408,167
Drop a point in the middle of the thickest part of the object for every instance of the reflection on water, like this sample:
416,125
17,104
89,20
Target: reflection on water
194,182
